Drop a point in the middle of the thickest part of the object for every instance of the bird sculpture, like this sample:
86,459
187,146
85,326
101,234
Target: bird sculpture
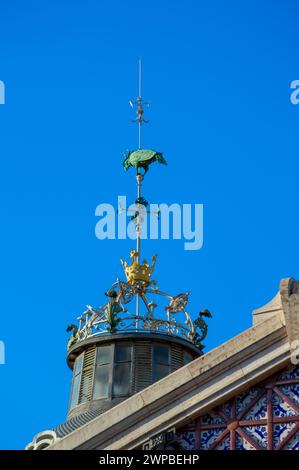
142,159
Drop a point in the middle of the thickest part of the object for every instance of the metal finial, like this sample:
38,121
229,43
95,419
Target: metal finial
139,103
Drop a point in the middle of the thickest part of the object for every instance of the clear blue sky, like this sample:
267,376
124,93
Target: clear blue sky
218,76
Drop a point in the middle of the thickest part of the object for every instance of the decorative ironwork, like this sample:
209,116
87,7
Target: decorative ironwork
116,317
266,417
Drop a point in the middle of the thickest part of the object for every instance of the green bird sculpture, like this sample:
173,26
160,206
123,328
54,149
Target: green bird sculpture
142,158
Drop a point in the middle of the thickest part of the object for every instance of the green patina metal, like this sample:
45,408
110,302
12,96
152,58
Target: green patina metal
202,326
142,158
74,336
112,310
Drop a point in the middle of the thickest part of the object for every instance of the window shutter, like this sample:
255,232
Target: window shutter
176,357
142,376
87,375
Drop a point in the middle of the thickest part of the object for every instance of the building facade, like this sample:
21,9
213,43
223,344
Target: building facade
242,395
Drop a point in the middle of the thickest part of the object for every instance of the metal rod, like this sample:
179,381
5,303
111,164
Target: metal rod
139,179
140,77
139,135
138,241
140,103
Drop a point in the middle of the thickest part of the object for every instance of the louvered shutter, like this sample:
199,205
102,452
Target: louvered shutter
176,357
87,375
142,376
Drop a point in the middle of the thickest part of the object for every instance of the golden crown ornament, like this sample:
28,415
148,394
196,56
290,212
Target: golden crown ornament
139,273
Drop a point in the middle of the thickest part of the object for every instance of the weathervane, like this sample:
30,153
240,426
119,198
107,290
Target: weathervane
140,159
139,103
115,316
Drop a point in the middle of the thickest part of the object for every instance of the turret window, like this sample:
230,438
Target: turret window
102,378
122,379
161,361
187,357
76,381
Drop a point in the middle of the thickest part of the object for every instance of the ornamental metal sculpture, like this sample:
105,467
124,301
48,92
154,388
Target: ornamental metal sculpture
142,158
155,311
116,316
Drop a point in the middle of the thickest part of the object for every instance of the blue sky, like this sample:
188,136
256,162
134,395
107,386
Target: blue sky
218,75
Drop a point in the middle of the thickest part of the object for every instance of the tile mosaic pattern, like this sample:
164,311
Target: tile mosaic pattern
263,417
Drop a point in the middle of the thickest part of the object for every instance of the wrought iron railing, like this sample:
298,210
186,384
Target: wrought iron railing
115,317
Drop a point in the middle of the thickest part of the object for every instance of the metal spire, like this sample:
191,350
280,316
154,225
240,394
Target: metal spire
139,284
139,103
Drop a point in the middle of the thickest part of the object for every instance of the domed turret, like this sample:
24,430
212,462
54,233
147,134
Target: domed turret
116,351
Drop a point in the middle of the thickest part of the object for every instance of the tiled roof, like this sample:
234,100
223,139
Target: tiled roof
76,422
